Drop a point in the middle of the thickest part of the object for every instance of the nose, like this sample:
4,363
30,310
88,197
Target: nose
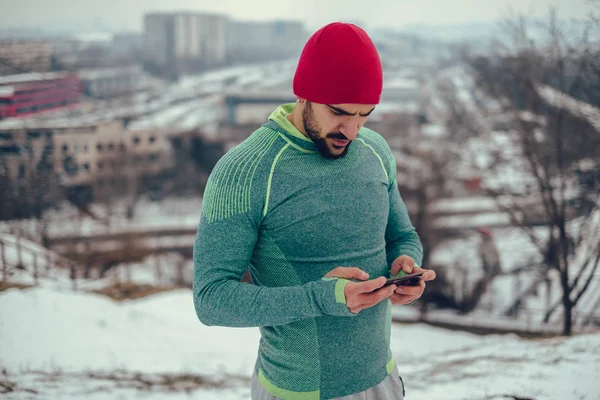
350,129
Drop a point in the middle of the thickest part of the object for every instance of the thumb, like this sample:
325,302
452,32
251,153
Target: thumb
348,273
369,286
428,274
403,264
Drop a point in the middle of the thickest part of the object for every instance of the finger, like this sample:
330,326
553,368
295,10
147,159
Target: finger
396,267
428,274
408,267
367,300
348,273
373,298
369,286
404,263
401,299
412,290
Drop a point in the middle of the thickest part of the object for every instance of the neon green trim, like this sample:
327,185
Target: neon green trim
280,116
340,296
402,273
390,366
271,177
294,145
399,274
388,334
387,178
229,191
286,394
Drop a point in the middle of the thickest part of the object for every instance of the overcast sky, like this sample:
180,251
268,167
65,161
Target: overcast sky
127,15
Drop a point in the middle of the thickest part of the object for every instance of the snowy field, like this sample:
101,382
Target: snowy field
58,344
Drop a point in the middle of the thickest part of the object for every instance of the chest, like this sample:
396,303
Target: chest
327,208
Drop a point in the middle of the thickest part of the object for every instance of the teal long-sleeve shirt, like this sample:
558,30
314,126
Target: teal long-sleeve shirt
274,205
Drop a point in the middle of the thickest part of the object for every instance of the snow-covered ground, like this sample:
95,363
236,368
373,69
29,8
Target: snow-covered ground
66,220
519,257
69,345
523,272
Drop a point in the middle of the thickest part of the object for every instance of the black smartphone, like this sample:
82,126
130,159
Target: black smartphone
406,280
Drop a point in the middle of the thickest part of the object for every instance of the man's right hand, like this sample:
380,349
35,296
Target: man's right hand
361,295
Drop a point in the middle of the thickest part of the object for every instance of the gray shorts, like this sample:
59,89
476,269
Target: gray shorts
391,388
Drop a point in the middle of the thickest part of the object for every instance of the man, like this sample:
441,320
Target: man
309,203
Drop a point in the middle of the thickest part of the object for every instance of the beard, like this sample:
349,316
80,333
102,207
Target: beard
313,131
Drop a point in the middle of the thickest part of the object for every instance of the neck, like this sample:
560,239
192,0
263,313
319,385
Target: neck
295,117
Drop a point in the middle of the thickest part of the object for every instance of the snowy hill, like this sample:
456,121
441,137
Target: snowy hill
67,345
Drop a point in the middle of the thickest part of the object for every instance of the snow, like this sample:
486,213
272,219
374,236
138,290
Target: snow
433,130
579,108
514,247
136,335
7,90
165,119
523,272
99,73
474,221
68,345
464,204
520,259
587,249
31,77
243,74
174,213
32,256
400,82
389,108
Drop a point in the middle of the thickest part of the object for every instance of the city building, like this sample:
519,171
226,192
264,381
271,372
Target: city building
93,50
110,82
265,40
185,42
25,56
244,112
96,156
26,94
128,43
253,108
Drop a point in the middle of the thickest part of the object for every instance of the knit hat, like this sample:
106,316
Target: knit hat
339,65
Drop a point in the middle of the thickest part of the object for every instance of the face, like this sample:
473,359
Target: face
333,127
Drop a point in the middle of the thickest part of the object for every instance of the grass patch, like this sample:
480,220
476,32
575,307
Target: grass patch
131,291
166,382
92,382
10,285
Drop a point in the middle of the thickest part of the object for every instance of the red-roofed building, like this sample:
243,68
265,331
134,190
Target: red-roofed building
26,94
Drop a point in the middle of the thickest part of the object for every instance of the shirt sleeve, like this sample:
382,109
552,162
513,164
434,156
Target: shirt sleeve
400,235
225,240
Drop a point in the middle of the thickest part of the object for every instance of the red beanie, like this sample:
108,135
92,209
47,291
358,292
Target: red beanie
339,65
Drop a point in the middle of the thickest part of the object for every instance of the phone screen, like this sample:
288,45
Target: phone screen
406,280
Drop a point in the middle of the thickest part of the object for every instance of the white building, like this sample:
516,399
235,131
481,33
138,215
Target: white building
109,82
185,41
265,40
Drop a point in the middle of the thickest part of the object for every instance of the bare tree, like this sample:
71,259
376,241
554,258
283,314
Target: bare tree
425,170
547,88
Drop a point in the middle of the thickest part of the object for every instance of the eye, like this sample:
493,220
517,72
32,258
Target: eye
338,114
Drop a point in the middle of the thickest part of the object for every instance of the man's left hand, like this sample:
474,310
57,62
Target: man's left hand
408,294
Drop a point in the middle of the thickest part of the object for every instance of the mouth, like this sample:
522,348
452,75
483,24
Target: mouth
339,143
